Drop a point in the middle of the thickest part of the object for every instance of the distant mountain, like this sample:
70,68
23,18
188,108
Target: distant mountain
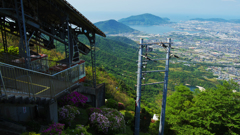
123,39
114,27
235,20
217,20
144,19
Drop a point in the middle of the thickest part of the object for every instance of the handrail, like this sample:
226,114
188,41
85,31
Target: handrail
24,69
36,83
64,70
37,71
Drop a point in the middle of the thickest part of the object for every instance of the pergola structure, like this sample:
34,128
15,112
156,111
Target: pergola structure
45,22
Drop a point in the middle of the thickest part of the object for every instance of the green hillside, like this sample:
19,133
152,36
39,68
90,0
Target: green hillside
144,19
114,27
123,39
119,60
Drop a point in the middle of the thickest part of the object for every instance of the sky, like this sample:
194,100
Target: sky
96,10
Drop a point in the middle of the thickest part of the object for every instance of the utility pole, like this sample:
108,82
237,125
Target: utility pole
166,45
162,119
139,82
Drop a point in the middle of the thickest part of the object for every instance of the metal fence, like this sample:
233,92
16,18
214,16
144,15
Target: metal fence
21,81
36,64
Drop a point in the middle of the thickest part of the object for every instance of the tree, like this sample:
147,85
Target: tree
218,110
214,111
178,113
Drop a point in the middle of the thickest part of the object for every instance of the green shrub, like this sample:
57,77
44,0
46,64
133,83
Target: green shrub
11,50
111,103
154,128
87,106
130,105
79,130
129,118
30,133
145,120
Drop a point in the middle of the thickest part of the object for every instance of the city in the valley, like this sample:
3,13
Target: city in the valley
215,44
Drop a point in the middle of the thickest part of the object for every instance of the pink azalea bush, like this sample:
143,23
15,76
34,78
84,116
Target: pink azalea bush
100,121
109,121
67,113
75,98
54,129
92,110
117,122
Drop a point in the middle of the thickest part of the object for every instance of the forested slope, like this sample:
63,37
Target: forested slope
119,59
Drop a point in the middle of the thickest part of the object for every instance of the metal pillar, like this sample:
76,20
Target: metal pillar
69,48
23,45
4,35
93,58
138,96
162,118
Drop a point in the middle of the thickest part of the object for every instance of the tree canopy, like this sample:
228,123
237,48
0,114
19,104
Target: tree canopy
214,111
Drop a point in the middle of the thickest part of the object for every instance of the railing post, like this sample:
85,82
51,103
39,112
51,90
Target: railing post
53,90
28,85
33,91
69,80
3,84
50,87
79,67
15,77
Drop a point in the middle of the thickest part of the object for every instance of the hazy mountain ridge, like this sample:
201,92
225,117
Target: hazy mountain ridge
114,27
144,19
217,20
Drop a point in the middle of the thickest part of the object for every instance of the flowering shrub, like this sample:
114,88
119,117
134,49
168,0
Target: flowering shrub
100,121
92,110
111,103
54,129
67,113
107,121
79,130
75,98
117,122
121,106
